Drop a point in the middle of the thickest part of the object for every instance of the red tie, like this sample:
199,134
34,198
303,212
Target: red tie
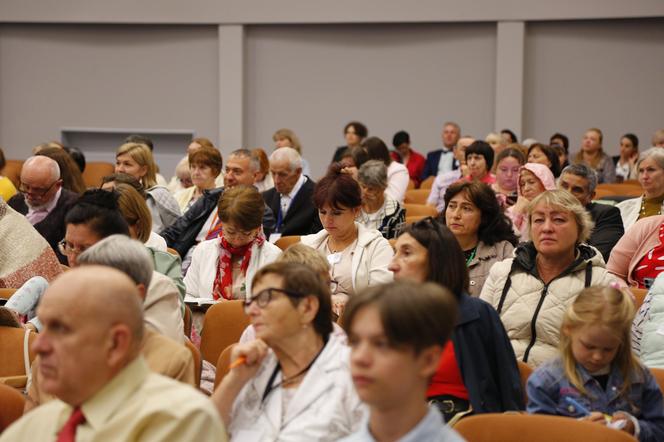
68,432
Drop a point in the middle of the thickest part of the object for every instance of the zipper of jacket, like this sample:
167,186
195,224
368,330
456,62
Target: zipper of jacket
533,323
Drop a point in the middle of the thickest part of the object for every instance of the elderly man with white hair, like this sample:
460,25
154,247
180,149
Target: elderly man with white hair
43,201
291,197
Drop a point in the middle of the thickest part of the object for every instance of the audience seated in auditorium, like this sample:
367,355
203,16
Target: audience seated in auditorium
147,141
406,155
354,133
205,165
223,268
442,160
581,181
531,290
43,200
626,161
182,178
474,216
509,137
264,181
595,376
399,328
650,167
287,138
593,155
7,188
359,256
103,385
397,174
293,381
70,174
135,211
542,154
96,216
478,368
24,253
136,160
436,197
162,354
201,221
290,198
379,210
508,163
534,179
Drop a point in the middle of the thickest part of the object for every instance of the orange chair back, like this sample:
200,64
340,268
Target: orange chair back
11,351
417,196
172,251
286,241
525,371
223,365
223,325
420,210
428,183
6,293
658,373
639,296
411,185
622,189
516,427
198,361
95,171
11,406
12,171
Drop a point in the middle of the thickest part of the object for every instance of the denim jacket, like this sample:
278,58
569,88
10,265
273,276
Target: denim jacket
547,388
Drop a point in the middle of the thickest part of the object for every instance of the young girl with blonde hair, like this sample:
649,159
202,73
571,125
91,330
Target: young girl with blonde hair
597,377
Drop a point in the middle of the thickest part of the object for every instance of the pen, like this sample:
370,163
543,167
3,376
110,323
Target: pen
236,363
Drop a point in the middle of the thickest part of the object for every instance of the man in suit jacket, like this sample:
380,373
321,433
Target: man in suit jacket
291,197
442,160
581,181
43,201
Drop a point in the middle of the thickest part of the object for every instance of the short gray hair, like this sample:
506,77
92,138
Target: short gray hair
123,253
287,154
373,173
41,161
654,153
564,200
583,171
254,161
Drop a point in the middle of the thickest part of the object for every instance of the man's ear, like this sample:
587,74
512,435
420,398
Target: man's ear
428,360
120,344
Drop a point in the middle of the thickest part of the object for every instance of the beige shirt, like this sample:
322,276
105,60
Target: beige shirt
134,405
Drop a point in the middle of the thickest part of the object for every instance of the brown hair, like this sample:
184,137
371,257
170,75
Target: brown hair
134,210
242,205
3,162
264,162
290,136
337,189
302,279
69,172
203,142
413,315
143,156
206,156
124,178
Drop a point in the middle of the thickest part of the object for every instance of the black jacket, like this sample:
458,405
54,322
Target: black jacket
181,235
52,228
486,359
302,217
608,228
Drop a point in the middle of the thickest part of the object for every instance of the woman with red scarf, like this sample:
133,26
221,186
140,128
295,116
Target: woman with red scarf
222,268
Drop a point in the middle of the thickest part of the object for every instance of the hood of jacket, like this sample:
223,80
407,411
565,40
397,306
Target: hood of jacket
525,256
542,172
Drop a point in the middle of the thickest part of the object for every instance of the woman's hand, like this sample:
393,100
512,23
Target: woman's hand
629,424
595,417
252,354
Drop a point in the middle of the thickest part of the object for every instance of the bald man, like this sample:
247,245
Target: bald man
43,201
90,360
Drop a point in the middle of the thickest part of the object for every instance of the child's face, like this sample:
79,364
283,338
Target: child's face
385,376
594,347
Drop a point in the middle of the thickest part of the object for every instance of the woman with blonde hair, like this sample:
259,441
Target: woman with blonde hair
287,138
136,160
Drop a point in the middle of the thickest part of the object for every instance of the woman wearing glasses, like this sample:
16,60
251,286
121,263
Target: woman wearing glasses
223,268
358,256
477,371
293,381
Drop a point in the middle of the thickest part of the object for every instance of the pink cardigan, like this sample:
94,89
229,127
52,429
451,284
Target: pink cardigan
633,246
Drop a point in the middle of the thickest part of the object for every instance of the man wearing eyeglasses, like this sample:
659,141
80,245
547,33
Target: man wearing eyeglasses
43,201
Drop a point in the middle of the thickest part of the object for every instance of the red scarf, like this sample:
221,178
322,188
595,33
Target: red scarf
223,281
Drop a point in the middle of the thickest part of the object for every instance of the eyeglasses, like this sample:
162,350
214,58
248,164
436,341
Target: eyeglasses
264,297
66,248
35,191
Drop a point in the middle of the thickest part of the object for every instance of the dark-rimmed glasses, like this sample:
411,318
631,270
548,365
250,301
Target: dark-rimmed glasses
264,297
35,191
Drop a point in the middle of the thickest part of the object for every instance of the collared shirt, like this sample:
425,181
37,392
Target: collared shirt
286,200
431,428
446,162
37,214
135,404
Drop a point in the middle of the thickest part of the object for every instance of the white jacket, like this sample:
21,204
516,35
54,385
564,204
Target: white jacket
529,303
397,181
203,269
162,309
325,406
629,211
370,260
